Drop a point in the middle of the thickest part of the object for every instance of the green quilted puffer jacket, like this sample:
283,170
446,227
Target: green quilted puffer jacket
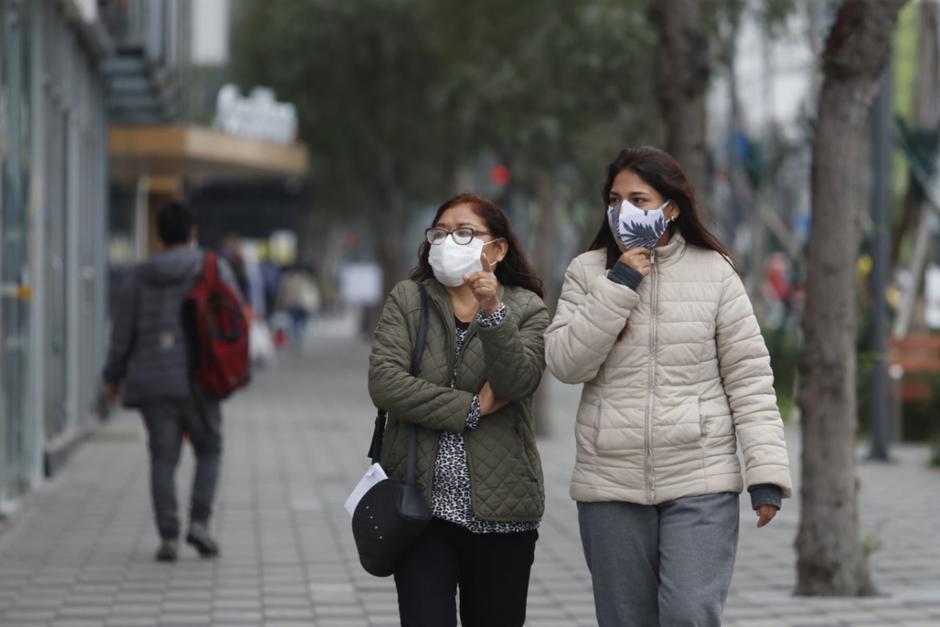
505,470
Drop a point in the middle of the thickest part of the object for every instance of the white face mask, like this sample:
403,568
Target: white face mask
450,260
637,228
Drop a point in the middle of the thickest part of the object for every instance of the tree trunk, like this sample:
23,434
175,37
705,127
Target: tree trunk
544,261
831,557
682,80
545,228
926,116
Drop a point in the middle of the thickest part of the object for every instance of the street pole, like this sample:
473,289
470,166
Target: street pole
881,227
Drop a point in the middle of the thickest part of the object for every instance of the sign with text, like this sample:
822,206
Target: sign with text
259,115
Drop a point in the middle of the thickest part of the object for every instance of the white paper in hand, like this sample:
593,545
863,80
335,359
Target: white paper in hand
373,475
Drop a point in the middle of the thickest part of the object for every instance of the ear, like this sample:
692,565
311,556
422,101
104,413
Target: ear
500,249
672,211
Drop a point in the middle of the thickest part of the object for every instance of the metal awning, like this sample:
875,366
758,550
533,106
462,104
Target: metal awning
200,153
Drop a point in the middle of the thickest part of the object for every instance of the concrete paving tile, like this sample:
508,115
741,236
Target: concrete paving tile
132,621
190,620
14,616
289,613
237,617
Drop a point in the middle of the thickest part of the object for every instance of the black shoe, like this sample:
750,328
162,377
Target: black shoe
199,538
168,551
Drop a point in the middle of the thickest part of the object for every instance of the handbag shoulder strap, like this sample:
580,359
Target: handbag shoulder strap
422,333
378,433
415,371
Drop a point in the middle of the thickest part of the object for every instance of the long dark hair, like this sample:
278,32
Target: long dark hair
514,269
661,172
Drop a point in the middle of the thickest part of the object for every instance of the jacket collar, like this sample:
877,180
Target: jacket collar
437,293
672,251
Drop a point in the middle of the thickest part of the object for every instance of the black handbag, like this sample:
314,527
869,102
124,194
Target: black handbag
392,514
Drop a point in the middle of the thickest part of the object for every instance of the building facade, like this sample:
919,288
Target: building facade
52,219
96,130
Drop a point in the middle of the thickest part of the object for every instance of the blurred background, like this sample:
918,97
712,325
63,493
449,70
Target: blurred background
315,140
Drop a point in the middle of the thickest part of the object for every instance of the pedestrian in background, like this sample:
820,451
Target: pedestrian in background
655,322
477,461
298,296
149,365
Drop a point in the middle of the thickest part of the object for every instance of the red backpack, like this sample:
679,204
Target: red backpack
218,332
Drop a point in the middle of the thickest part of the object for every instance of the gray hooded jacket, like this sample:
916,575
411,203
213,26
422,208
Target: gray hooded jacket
148,354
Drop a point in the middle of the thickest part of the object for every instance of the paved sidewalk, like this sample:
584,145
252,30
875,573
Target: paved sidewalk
80,550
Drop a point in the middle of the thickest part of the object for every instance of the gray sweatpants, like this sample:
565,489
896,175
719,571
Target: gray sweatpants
667,564
166,422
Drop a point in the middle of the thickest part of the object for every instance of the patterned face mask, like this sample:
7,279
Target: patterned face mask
636,228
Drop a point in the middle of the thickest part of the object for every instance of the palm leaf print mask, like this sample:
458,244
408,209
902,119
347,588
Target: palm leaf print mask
636,228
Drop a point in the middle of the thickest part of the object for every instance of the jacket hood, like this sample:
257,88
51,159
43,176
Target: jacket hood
171,266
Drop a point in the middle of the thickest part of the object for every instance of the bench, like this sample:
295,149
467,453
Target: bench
912,355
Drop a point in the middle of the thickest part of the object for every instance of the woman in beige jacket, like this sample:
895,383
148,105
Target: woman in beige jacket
654,321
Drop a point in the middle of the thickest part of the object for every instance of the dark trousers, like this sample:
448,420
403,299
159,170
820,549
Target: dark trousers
166,422
491,571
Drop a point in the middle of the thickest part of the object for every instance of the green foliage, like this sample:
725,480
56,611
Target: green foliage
432,85
396,96
724,17
872,541
537,80
366,85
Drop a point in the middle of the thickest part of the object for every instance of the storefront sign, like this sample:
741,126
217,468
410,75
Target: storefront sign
258,115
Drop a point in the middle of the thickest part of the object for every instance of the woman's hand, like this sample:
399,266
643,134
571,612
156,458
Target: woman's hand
638,259
485,287
488,401
765,513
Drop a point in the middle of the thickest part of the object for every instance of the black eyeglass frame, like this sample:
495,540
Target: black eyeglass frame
461,240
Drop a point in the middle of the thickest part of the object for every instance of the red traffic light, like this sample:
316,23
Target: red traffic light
499,174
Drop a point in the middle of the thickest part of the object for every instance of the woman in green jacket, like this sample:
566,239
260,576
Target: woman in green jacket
477,461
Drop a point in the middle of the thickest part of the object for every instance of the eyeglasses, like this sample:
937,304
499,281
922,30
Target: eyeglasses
463,236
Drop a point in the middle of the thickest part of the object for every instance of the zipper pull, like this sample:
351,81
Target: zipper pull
652,257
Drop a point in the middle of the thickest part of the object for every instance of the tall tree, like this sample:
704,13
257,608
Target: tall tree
395,96
682,80
365,83
554,88
831,558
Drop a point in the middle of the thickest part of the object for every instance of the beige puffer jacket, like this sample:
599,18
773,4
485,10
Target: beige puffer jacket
665,405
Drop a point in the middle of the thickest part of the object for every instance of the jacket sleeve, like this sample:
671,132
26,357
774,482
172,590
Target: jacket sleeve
748,381
393,388
592,312
122,332
515,353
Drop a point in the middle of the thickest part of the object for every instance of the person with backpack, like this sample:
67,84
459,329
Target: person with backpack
163,367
